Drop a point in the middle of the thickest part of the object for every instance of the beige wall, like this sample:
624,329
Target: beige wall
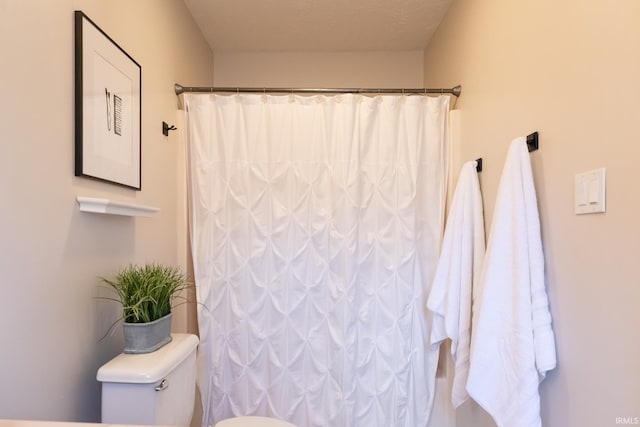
50,253
319,69
571,71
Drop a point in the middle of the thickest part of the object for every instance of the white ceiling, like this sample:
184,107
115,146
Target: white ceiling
317,25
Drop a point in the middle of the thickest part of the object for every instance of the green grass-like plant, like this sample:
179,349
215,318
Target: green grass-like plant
146,292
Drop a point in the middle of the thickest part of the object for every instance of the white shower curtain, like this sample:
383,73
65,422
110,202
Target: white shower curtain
315,226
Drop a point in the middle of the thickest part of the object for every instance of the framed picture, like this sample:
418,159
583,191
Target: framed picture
107,108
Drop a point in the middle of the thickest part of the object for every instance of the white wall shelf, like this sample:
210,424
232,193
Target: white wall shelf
113,207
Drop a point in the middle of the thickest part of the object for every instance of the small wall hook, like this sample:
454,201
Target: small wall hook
166,128
532,142
479,164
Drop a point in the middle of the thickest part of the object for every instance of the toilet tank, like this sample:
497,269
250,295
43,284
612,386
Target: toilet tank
155,388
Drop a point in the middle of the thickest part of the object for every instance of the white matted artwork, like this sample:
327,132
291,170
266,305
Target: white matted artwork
108,108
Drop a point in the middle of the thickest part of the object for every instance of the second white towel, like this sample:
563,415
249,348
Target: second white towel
513,344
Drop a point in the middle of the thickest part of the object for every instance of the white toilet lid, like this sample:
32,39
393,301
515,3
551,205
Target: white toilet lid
253,422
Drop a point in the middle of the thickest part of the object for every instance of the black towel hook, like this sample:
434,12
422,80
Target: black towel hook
166,128
479,164
532,142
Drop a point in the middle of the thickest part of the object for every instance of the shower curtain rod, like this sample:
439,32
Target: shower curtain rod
179,89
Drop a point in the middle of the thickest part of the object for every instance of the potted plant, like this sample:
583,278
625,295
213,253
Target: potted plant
146,293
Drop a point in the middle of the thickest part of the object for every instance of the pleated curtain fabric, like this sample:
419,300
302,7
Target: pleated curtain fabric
315,224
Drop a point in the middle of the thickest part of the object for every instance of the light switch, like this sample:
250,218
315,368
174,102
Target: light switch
590,192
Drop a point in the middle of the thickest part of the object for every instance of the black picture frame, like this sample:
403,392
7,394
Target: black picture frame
108,108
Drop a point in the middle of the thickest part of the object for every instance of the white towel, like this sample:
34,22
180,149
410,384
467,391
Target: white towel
458,266
512,345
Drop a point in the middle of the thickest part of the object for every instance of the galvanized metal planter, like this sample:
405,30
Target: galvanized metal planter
147,337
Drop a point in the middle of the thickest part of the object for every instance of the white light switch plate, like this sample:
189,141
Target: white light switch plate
590,192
